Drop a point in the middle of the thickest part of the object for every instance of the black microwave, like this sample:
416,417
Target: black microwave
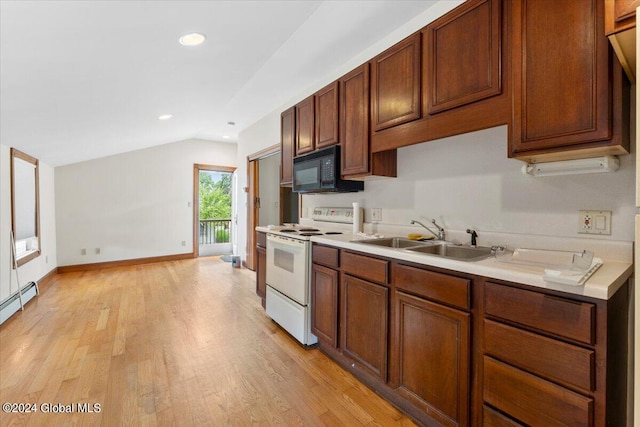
319,172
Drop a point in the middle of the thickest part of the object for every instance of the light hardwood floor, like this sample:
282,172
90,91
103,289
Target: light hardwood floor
173,343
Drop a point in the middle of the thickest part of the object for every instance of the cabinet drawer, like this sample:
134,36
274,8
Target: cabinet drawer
493,418
566,318
532,400
544,356
325,255
437,286
373,269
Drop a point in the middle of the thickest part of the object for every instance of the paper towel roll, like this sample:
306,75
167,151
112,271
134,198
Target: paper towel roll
357,218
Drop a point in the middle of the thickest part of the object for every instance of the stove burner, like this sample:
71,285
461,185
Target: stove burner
288,230
333,232
309,234
308,229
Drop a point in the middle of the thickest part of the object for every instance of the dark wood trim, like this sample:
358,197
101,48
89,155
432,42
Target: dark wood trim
122,263
197,167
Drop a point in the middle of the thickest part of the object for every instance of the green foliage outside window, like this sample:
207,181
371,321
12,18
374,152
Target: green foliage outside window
215,196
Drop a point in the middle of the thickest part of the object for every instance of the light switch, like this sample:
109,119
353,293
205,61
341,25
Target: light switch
601,222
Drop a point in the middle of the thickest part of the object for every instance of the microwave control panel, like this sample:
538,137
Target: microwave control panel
327,173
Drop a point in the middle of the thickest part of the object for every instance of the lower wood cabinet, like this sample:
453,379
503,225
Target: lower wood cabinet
324,300
454,349
433,361
364,332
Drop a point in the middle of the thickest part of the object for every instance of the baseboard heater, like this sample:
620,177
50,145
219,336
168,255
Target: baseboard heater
12,304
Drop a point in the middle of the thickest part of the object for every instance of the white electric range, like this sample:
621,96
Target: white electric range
288,300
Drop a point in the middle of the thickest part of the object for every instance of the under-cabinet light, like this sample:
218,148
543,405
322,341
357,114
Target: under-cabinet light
571,167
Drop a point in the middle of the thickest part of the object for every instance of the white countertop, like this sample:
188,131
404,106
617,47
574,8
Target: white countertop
602,285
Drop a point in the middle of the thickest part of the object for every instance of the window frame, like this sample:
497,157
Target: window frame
16,154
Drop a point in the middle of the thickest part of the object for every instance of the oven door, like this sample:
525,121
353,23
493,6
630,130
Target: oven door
288,267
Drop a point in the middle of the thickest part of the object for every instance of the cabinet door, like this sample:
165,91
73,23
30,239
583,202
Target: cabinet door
324,304
261,272
354,123
287,145
619,15
305,128
462,56
363,330
561,75
327,118
395,84
433,358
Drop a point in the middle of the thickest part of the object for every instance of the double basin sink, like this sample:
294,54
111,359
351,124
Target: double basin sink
435,248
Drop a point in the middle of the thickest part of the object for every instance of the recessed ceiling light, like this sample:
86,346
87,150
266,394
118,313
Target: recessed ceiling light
165,117
226,136
231,123
193,39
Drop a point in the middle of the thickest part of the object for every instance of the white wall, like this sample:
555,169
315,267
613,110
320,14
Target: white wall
468,181
37,268
132,205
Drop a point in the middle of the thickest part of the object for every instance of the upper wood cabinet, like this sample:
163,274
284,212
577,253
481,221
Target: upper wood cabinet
568,101
305,126
463,56
287,145
620,15
395,84
327,116
354,123
356,158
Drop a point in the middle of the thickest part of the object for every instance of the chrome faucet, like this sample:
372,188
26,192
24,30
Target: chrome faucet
440,234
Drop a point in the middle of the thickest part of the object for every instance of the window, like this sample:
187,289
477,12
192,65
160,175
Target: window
25,212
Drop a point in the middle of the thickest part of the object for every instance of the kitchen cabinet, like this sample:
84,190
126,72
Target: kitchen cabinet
463,56
551,360
363,335
327,119
570,97
431,347
261,264
287,145
395,84
464,77
364,313
324,294
619,15
356,158
457,349
620,27
305,126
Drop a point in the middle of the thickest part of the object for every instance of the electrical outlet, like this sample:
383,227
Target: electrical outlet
184,243
376,215
83,251
594,222
97,251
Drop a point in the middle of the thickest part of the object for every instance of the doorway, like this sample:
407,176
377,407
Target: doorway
213,228
267,201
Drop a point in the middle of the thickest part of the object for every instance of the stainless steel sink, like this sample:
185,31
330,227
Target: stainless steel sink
462,253
394,242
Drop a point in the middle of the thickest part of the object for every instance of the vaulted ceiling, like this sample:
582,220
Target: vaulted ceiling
87,79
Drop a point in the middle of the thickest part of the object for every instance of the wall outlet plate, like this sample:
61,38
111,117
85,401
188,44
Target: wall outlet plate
376,214
594,222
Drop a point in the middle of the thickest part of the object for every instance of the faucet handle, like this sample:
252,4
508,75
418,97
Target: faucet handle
474,236
433,221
